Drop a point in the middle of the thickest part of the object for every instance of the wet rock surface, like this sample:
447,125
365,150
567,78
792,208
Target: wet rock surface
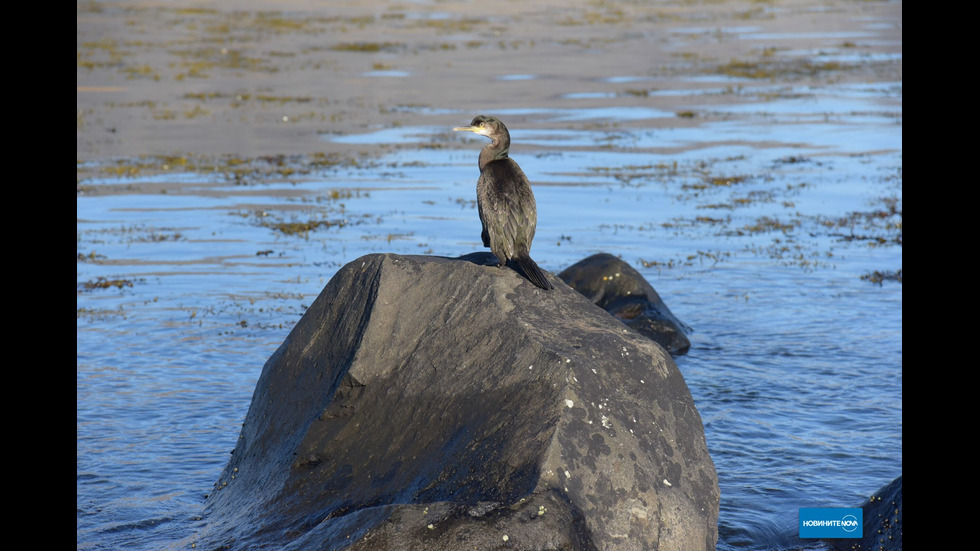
619,289
436,403
882,522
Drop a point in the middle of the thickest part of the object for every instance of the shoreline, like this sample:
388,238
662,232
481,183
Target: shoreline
192,77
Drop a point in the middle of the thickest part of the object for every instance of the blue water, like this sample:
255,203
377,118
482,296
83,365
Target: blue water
795,364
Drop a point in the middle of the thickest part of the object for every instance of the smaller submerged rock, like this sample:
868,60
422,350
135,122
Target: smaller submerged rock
882,522
619,289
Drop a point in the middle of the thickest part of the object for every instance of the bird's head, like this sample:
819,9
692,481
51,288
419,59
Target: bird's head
483,125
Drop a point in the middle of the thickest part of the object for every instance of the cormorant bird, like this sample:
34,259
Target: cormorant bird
505,201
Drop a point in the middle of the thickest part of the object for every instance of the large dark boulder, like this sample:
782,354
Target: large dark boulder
439,404
619,289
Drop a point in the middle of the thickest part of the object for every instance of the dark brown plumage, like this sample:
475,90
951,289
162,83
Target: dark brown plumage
505,201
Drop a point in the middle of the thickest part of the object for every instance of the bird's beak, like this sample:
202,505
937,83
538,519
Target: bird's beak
467,129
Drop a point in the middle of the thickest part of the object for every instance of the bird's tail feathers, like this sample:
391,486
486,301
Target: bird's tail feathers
532,272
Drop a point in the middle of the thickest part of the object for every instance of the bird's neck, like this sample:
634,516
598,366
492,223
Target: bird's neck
496,151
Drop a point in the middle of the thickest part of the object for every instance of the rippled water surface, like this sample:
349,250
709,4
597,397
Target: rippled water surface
762,229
